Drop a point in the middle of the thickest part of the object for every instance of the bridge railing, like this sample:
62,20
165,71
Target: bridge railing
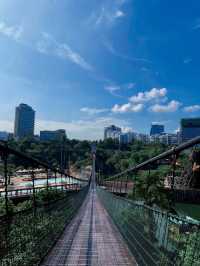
173,171
32,218
154,237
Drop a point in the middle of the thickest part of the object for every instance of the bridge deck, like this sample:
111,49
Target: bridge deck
90,239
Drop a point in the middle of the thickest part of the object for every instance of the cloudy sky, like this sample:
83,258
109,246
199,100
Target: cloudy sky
83,65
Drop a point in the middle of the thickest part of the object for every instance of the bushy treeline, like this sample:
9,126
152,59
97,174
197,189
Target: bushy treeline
111,157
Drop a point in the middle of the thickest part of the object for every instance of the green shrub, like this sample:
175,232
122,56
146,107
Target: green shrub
51,194
28,204
3,206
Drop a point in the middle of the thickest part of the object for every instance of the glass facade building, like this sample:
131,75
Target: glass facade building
57,135
157,129
24,121
112,132
190,128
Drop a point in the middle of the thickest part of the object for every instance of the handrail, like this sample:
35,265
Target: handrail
164,155
33,160
29,190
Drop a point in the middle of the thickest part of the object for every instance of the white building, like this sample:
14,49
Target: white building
169,139
143,137
112,132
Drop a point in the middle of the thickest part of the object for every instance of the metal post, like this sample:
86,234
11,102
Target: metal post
61,181
174,158
134,186
5,158
47,170
33,185
121,187
173,170
126,185
55,180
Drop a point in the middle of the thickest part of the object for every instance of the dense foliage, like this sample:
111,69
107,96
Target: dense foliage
111,157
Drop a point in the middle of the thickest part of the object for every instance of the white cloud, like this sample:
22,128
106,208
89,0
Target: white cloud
128,107
108,45
121,108
130,85
112,88
93,111
119,14
192,108
137,102
153,94
137,108
14,32
172,106
48,45
108,14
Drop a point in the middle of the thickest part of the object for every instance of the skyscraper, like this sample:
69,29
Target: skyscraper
190,128
157,129
112,132
24,121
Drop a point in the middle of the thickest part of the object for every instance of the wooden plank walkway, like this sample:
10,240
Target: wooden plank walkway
91,239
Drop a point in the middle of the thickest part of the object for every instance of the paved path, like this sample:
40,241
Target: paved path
91,239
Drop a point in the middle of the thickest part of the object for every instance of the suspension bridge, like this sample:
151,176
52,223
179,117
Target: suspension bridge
93,222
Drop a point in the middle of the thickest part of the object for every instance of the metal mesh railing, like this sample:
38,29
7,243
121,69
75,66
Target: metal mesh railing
33,217
154,237
27,236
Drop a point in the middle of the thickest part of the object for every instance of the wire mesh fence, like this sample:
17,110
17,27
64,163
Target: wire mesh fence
170,177
27,236
37,201
154,237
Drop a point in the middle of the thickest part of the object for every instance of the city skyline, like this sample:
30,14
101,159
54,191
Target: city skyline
125,71
54,126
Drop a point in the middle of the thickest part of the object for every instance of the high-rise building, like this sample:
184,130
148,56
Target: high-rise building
157,129
123,138
128,137
190,128
57,135
112,132
24,121
169,139
143,137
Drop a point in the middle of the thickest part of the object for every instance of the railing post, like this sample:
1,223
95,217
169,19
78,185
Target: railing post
134,184
174,161
126,185
61,181
33,185
5,159
47,172
55,176
121,186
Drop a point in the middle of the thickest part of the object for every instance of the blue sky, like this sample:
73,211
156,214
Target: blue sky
83,65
